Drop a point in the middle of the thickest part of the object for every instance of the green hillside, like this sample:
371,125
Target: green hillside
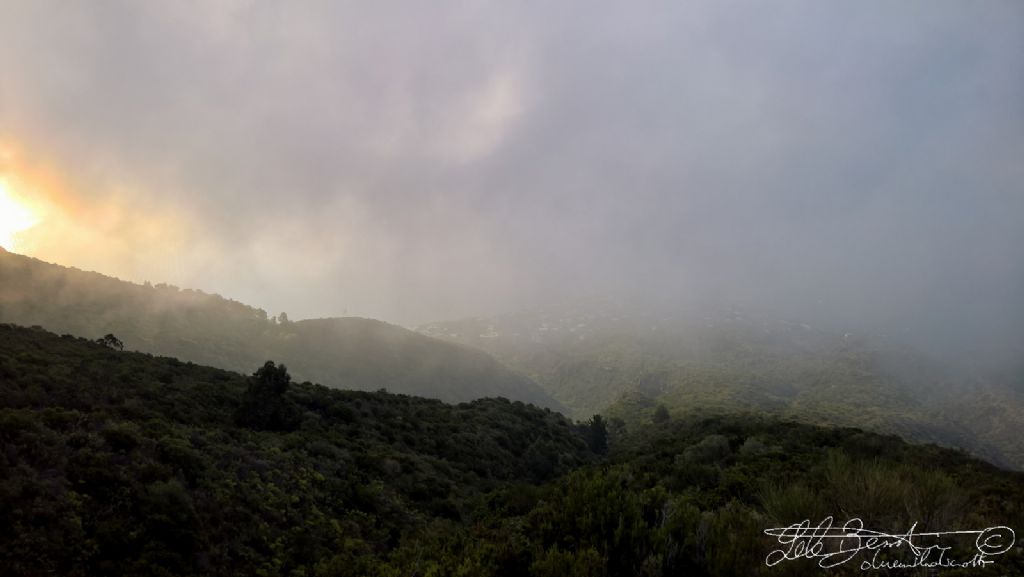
117,463
350,353
626,363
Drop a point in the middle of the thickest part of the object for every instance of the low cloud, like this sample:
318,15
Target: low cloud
853,164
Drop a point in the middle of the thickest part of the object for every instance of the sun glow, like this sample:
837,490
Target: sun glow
15,217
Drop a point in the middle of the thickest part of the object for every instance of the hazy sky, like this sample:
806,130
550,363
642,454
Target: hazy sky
858,161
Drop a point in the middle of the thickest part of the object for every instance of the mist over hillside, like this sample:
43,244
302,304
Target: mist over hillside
513,289
350,353
853,165
597,356
625,359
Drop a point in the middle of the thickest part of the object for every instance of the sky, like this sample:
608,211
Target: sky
859,164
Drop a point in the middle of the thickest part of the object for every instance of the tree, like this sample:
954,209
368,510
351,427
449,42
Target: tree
111,342
661,414
264,405
597,435
271,378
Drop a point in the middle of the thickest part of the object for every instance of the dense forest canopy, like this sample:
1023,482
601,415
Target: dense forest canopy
121,463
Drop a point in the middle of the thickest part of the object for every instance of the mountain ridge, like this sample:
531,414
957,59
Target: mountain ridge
347,352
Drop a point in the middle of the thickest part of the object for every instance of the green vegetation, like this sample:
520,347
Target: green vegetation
119,463
629,365
349,353
116,463
265,407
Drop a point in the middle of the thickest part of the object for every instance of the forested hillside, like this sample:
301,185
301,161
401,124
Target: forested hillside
115,463
119,463
351,353
627,362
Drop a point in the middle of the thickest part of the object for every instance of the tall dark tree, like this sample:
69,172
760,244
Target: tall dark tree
597,435
264,405
271,378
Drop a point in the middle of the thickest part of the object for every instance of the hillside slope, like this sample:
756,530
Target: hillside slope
625,362
117,463
349,353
